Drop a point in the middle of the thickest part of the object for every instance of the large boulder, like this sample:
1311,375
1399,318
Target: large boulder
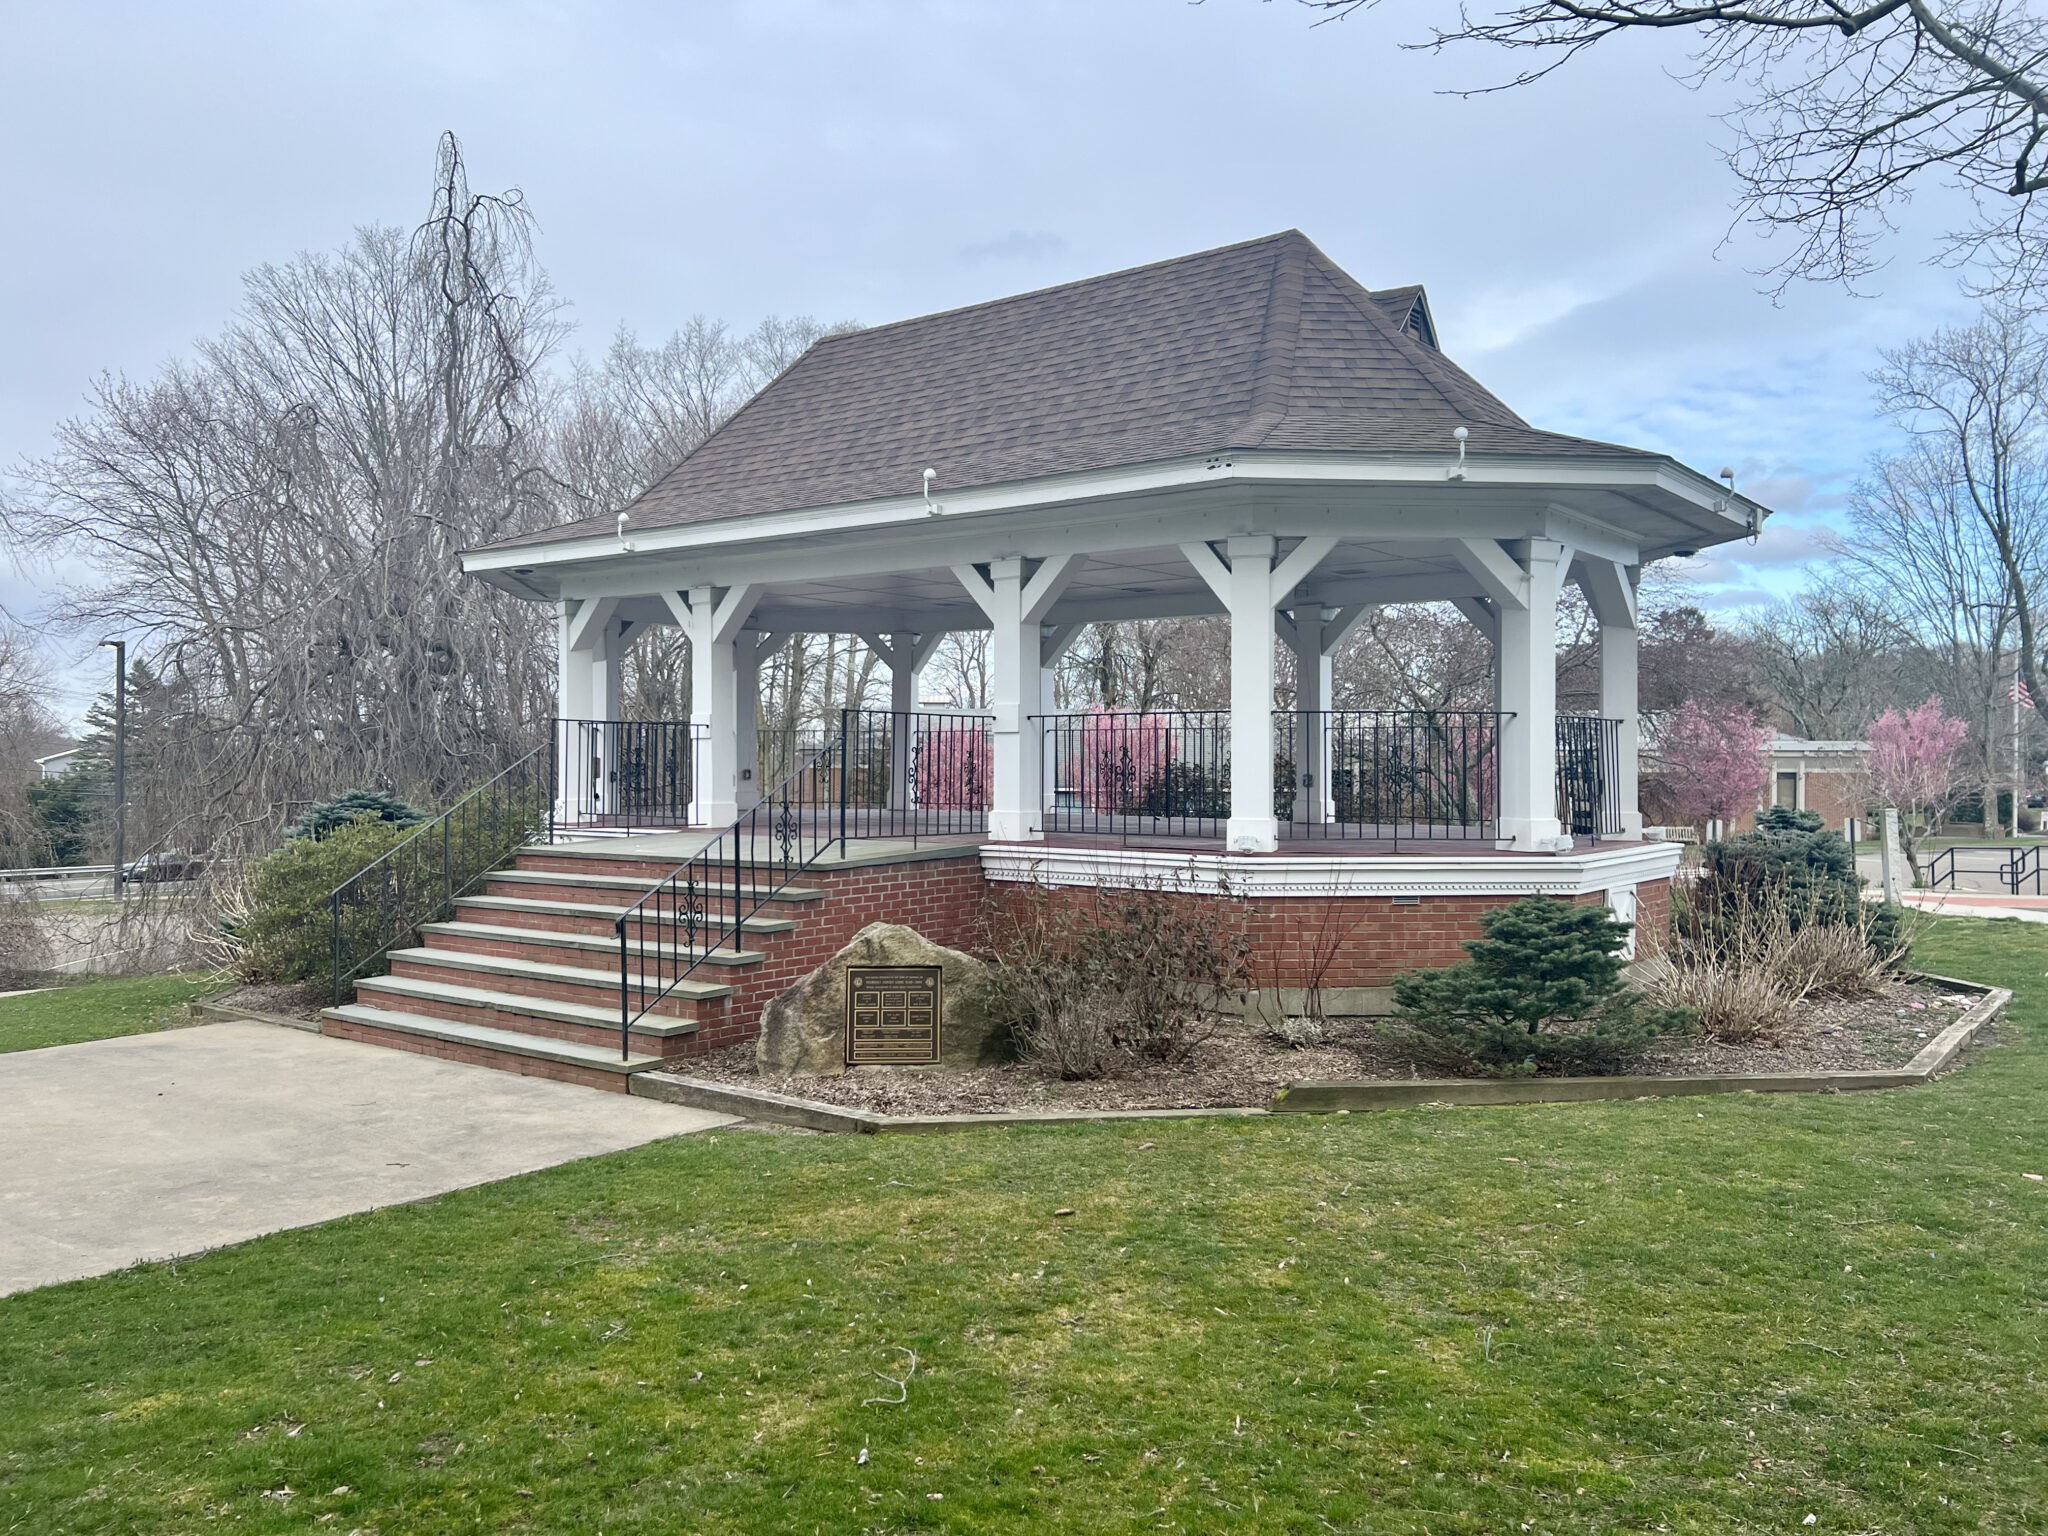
803,1032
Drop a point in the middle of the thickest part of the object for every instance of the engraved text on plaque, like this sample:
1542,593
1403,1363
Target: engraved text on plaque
892,1015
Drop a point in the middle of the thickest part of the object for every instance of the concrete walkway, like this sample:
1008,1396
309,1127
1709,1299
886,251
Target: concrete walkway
159,1146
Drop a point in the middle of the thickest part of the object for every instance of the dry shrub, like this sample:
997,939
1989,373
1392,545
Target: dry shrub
1768,947
1733,1003
1127,974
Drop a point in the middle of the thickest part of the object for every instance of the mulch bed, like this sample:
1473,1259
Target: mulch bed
290,1001
1241,1067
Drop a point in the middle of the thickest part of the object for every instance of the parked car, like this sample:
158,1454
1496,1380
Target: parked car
164,865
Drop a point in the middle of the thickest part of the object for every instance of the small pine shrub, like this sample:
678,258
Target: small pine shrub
1542,994
353,806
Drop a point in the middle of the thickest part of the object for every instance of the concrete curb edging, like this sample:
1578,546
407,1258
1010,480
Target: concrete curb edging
222,1012
1345,1097
781,1109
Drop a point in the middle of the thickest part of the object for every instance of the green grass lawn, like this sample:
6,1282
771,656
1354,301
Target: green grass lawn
98,1010
1694,1315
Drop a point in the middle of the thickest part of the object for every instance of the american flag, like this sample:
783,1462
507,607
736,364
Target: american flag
2017,693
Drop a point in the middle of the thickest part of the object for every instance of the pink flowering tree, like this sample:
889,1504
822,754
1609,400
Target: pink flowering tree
1914,765
1120,757
1713,760
954,769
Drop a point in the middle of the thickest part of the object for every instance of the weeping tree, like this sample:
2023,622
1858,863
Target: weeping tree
275,523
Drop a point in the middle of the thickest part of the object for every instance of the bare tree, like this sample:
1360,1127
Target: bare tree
1975,400
1917,546
1829,659
1845,107
275,525
28,730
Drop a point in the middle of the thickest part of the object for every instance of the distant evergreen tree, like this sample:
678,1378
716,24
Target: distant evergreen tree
353,806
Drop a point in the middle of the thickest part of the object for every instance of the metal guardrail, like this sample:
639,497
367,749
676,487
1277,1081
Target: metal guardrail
418,879
2017,867
1588,769
1155,773
628,775
917,774
1394,775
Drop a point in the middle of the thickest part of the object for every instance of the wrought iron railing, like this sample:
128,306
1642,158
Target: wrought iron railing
703,905
1160,773
1588,774
917,775
1389,775
623,775
417,880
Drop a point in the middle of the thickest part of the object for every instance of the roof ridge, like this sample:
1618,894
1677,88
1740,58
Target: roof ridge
1279,342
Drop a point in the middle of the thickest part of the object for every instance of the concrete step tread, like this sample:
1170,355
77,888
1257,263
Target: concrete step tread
597,944
543,1047
640,887
519,1002
595,909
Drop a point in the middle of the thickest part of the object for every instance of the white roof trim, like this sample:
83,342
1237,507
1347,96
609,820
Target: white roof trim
1556,473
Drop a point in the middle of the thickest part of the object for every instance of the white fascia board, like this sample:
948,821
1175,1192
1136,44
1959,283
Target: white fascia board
1552,475
1507,876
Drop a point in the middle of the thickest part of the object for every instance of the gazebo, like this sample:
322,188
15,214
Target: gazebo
1246,432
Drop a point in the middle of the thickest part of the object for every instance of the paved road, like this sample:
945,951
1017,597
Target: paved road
159,1146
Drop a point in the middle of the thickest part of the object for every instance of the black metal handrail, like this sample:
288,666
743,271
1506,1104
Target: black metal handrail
417,879
918,774
2017,866
1389,774
704,903
621,775
1588,771
1149,773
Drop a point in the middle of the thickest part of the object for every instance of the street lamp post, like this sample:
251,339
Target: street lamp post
120,650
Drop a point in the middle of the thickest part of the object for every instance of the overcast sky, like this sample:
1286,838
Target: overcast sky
876,160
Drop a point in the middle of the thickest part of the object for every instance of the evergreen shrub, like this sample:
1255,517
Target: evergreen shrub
352,806
1541,994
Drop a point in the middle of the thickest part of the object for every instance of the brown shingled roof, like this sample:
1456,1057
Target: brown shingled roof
1264,345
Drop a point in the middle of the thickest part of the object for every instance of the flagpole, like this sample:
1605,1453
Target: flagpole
2017,683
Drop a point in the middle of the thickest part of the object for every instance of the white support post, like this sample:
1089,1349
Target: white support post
1251,587
1528,669
904,653
1610,590
751,649
586,688
1016,605
1055,640
1315,633
713,617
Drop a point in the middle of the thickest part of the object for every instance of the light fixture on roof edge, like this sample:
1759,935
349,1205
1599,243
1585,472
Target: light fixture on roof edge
929,505
1457,470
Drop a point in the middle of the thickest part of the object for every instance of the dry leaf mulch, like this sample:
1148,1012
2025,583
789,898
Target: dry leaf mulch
1239,1066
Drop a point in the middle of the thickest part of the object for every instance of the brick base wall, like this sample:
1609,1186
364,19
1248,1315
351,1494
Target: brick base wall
1368,938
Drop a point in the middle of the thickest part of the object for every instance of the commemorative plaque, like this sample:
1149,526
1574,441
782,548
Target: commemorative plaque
892,1015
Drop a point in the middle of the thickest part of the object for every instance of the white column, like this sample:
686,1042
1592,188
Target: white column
902,705
1252,827
1251,587
1610,591
1016,605
751,650
584,633
712,617
1528,738
1303,631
